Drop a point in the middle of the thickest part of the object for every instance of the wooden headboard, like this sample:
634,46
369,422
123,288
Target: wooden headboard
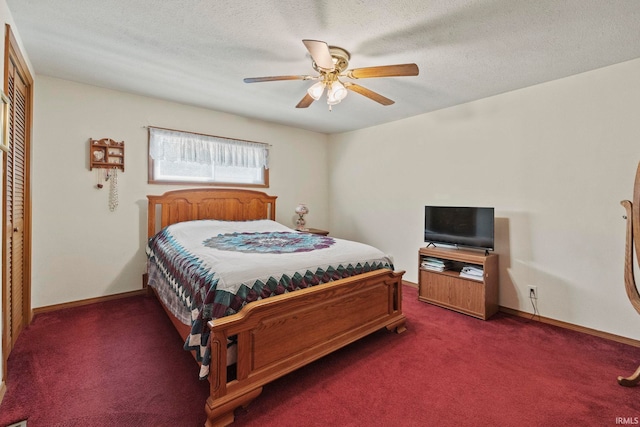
204,203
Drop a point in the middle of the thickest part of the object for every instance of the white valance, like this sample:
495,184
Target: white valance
173,146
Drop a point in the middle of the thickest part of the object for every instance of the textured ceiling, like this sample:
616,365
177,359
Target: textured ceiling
198,51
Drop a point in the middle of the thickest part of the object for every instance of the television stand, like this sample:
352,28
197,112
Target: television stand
448,289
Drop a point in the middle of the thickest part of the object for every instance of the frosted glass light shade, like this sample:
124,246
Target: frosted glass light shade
336,93
316,90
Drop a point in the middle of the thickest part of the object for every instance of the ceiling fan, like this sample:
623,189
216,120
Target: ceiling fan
331,63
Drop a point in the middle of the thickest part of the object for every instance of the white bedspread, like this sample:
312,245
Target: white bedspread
234,268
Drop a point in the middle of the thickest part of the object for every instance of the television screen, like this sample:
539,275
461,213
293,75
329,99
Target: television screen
459,226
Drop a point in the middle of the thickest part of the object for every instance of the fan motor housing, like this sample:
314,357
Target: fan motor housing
340,58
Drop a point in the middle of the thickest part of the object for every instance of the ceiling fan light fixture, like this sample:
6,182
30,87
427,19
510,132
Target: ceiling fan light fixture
316,90
331,63
336,93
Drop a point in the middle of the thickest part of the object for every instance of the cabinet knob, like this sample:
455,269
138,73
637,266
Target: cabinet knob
15,229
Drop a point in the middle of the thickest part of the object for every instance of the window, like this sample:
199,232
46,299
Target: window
189,158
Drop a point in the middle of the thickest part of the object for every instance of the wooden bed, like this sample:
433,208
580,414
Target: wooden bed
326,309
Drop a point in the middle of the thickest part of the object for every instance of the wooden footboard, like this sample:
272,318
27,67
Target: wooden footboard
280,334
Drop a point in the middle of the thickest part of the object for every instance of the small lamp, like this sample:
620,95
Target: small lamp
301,210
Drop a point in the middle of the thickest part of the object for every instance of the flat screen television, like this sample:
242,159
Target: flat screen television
471,227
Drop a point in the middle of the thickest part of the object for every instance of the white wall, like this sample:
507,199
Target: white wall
554,159
80,248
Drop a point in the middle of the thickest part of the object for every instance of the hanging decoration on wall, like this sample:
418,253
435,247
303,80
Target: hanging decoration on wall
113,190
100,177
106,156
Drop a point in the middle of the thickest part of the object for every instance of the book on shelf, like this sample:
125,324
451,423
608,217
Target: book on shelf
472,269
472,272
471,276
435,264
432,268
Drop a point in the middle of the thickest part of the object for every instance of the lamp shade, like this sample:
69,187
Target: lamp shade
336,93
316,90
301,210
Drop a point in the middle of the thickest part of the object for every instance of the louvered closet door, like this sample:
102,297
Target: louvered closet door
17,248
16,161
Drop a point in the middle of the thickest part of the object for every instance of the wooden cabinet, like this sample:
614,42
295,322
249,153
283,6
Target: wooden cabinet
478,298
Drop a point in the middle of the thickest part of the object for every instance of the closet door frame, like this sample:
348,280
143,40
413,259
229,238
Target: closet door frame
12,55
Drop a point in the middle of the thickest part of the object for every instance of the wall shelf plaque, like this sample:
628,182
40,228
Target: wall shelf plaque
106,153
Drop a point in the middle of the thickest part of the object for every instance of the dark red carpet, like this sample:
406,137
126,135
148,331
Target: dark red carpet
120,363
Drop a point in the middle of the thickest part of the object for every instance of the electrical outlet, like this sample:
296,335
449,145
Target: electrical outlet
533,292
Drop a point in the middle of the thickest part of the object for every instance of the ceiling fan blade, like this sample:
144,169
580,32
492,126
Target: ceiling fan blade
368,93
305,102
320,54
275,78
398,70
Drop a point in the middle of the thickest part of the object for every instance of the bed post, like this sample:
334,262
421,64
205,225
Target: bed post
151,218
221,404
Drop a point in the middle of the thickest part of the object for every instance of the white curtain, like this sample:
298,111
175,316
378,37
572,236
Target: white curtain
171,145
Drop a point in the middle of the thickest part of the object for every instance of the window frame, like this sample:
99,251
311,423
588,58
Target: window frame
151,179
